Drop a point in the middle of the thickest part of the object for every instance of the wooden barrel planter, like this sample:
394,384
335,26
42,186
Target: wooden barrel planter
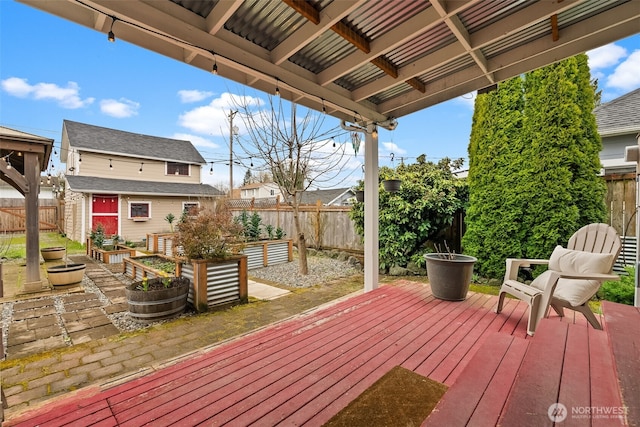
52,253
66,274
159,302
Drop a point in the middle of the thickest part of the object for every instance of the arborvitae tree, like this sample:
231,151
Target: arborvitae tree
495,206
561,156
533,166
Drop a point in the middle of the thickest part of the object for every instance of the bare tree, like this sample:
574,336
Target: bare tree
297,150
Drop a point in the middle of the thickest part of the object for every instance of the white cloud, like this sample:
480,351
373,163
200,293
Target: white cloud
120,108
212,119
392,147
193,95
605,56
67,97
196,140
626,75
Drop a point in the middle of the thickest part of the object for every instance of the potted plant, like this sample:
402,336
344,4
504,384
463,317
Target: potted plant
210,241
449,274
391,184
150,300
68,273
53,253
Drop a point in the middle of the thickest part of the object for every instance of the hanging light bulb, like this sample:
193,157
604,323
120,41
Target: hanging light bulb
8,162
324,109
140,170
110,165
251,158
375,132
79,157
19,153
334,142
277,88
112,37
211,169
214,70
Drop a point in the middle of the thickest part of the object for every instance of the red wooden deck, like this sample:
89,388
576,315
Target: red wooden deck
304,370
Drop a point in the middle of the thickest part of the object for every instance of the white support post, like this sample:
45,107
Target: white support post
371,209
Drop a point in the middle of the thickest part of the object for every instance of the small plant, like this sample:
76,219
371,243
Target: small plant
447,253
170,218
166,280
621,291
209,233
280,233
269,229
97,236
145,284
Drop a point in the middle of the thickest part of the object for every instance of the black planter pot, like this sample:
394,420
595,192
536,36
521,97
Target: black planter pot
449,278
391,185
157,304
360,196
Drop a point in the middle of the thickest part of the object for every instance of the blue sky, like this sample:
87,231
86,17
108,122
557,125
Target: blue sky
52,70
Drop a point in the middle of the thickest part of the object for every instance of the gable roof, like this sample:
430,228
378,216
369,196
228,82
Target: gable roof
619,116
326,197
90,184
117,142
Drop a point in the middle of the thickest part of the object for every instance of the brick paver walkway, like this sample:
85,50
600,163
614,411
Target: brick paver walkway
53,363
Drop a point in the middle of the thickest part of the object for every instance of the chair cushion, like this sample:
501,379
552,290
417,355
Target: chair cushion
570,261
575,291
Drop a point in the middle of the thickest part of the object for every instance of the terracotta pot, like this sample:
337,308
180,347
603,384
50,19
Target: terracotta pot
52,253
63,275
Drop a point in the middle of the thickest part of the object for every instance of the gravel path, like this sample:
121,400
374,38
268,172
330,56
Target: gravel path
321,270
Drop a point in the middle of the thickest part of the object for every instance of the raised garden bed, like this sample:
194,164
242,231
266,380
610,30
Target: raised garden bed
150,266
265,253
159,243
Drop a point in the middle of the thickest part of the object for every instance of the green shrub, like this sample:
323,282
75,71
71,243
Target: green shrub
621,291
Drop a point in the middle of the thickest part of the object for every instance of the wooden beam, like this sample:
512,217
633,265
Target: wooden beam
351,36
305,9
416,84
385,65
555,34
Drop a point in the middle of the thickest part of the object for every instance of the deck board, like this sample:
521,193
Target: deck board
304,370
622,322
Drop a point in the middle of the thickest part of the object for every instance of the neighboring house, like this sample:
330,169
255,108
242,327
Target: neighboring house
49,191
618,125
331,197
128,182
260,190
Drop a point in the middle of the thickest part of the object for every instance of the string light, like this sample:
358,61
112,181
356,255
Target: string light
214,70
324,109
112,37
110,165
277,88
6,159
140,170
211,169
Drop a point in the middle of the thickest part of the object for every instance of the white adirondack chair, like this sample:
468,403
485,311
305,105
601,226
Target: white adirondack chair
574,275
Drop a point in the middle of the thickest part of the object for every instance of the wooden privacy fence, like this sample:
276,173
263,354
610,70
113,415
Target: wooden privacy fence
325,227
621,203
13,219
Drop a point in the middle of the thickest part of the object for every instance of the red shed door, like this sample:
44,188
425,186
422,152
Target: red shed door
105,211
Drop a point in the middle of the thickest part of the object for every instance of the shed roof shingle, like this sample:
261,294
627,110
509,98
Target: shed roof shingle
112,141
89,184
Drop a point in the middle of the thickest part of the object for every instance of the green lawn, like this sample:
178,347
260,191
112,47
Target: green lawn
14,246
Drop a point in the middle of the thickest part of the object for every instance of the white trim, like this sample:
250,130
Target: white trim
190,203
138,218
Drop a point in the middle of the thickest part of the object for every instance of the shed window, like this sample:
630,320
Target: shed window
139,210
